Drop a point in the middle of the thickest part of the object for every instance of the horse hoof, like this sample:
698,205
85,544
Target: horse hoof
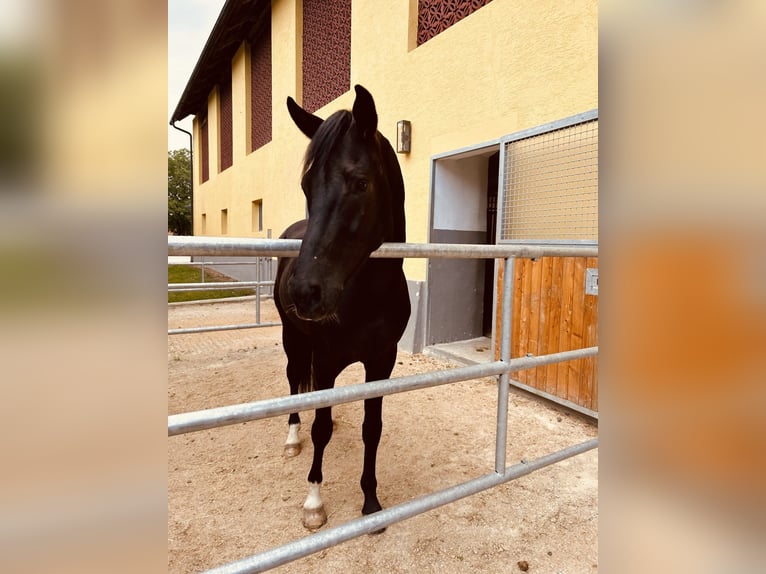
372,508
314,518
292,450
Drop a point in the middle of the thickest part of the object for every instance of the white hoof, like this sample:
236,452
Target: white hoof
314,518
293,443
292,450
314,515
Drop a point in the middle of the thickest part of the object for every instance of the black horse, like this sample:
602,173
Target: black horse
337,305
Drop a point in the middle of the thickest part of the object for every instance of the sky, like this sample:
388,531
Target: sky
189,25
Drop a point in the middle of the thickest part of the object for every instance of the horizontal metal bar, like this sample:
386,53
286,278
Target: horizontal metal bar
217,285
242,246
259,261
465,251
234,414
232,246
220,328
386,517
552,126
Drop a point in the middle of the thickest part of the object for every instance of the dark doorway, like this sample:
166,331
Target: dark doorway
464,204
493,167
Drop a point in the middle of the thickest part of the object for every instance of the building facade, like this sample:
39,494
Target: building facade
464,73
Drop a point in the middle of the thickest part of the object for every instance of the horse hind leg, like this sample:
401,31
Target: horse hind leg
298,375
314,514
293,442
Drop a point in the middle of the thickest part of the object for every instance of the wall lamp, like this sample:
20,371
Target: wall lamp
403,136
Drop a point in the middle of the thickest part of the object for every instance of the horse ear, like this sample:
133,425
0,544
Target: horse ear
306,122
365,116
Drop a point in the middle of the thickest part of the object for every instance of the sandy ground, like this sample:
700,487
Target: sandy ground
231,493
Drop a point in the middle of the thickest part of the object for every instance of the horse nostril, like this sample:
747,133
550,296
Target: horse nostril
313,292
305,293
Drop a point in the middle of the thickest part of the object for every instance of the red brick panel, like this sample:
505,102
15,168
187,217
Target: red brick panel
226,121
435,16
204,151
260,89
326,51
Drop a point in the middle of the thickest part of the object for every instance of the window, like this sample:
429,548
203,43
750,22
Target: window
225,123
435,16
260,89
224,221
203,145
257,215
204,223
326,51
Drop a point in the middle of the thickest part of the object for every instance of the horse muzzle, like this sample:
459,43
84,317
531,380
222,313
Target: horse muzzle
314,300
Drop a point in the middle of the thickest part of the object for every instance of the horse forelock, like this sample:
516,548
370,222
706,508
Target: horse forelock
326,139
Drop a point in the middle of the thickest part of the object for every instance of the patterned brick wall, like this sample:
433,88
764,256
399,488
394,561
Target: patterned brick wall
260,89
435,16
225,123
326,51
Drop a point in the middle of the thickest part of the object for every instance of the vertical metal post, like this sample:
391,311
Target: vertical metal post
258,264
505,355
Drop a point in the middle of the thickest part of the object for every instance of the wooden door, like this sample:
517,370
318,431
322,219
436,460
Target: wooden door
552,313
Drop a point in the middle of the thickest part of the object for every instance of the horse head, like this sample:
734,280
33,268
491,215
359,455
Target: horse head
355,197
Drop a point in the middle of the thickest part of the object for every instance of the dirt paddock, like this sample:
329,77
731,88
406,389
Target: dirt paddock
231,493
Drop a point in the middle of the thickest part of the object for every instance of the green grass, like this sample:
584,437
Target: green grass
193,274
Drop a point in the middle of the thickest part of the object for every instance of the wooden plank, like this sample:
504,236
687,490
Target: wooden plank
553,321
518,303
543,342
575,370
524,314
565,324
594,386
533,316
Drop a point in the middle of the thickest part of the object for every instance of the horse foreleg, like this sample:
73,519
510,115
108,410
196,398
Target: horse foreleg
375,370
314,514
371,429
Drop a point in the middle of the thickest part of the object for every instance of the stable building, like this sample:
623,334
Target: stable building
493,108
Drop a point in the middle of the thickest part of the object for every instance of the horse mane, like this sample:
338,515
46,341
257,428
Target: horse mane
325,139
396,186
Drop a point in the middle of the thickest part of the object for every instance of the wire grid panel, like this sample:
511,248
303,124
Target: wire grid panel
550,186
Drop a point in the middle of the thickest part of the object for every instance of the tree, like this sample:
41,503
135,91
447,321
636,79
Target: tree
179,192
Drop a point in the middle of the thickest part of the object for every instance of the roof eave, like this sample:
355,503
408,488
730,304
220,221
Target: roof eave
240,16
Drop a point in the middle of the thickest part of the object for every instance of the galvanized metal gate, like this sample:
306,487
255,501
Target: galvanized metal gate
502,367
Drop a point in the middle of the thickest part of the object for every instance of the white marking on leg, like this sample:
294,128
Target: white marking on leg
314,515
292,435
313,500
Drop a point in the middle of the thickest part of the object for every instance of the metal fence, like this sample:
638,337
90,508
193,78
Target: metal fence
233,414
264,271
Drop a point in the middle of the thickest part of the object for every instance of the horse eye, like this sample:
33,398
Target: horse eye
361,184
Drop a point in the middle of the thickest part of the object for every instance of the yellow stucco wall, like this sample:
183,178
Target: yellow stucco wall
509,66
